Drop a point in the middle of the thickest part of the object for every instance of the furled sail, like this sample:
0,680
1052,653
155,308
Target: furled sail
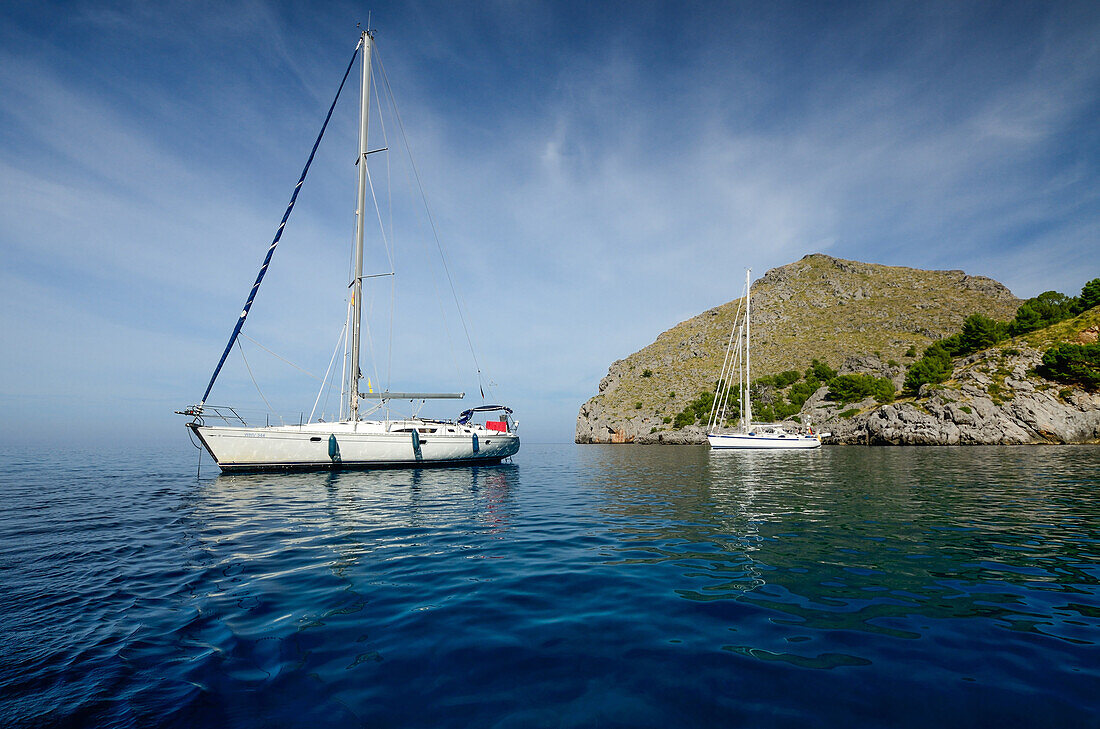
278,235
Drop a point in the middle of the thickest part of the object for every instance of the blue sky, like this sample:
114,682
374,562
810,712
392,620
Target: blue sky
598,172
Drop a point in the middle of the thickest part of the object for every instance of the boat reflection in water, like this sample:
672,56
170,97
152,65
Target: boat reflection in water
698,511
356,515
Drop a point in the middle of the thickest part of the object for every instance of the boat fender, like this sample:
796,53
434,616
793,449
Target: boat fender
333,449
416,445
477,446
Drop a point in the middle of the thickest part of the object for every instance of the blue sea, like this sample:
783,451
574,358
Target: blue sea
580,586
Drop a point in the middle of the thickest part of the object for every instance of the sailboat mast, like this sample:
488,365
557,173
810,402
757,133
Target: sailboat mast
360,222
748,337
741,375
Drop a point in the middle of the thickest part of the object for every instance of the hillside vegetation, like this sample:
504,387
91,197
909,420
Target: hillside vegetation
1039,387
982,332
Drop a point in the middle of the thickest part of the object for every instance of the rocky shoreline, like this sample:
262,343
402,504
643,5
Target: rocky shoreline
994,398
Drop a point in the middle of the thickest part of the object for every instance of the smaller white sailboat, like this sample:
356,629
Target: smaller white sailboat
747,434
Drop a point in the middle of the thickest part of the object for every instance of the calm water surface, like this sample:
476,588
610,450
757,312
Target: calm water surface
579,586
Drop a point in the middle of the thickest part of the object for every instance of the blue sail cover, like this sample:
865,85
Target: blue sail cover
465,416
278,235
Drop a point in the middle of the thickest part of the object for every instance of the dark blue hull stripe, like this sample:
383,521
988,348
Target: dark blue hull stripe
353,465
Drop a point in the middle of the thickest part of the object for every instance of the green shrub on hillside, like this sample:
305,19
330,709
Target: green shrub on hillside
777,381
820,371
1090,295
853,388
1077,364
698,410
768,401
784,411
683,420
801,391
884,390
981,332
1027,320
934,366
786,378
978,332
1051,307
732,402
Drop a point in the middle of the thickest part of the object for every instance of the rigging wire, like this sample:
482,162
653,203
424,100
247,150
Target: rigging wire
327,371
345,374
343,366
727,367
370,342
428,257
729,363
257,385
389,256
737,356
391,247
435,231
284,359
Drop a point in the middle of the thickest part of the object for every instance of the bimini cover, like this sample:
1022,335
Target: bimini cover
465,415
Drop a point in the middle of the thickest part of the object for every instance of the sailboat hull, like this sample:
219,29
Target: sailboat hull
307,448
748,441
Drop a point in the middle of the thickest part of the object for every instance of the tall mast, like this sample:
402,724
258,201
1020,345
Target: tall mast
748,338
741,374
360,219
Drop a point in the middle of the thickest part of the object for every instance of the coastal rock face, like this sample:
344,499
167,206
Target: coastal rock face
818,307
995,397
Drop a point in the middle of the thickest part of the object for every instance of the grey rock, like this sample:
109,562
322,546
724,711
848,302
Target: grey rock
1023,408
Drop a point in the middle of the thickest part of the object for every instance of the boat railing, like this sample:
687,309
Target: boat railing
225,413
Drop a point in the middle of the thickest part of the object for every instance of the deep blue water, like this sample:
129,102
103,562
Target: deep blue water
580,586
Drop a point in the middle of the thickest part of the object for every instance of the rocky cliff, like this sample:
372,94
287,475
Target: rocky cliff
818,307
994,397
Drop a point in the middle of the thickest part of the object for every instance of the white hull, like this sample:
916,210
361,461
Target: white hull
758,441
367,444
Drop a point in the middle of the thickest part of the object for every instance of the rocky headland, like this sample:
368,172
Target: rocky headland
861,319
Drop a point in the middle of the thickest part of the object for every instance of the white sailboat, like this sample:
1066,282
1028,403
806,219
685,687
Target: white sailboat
351,442
747,435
